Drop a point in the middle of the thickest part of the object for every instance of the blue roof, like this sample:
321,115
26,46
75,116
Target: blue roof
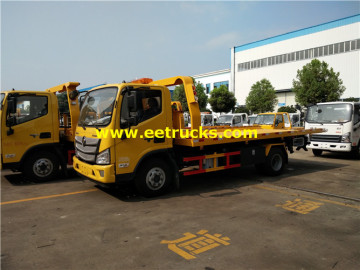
89,88
301,32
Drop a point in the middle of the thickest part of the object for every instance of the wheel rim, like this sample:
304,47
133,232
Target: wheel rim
155,178
276,162
43,167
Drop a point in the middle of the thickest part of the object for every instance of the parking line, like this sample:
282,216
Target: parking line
50,196
308,197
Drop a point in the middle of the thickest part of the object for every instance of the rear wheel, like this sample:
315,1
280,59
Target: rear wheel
317,152
154,179
41,166
274,163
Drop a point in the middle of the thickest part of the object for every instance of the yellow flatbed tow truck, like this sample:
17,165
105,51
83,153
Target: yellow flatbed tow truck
38,131
155,162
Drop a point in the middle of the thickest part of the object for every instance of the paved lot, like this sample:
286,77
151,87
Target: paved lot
308,218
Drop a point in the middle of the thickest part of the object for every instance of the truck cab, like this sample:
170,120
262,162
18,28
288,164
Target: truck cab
341,121
35,136
232,119
273,120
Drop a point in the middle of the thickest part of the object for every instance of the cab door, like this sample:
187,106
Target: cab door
27,124
152,113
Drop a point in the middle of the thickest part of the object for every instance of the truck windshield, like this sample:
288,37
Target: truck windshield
329,113
98,107
264,119
225,119
252,119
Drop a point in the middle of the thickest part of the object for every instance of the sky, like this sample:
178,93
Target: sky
47,43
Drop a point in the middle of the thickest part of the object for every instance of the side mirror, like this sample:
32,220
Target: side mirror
131,101
73,94
11,102
81,101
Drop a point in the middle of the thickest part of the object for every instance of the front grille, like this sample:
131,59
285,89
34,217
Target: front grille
325,138
87,148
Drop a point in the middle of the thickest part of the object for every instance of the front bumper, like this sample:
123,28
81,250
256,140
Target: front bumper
100,173
329,146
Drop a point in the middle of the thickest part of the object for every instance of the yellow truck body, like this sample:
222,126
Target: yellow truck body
36,138
156,163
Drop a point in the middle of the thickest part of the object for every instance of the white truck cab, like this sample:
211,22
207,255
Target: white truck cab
341,122
233,119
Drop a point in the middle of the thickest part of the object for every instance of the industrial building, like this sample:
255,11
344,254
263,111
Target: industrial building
278,59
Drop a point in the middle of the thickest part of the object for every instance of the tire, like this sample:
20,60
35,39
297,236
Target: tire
274,163
356,151
317,152
41,166
154,178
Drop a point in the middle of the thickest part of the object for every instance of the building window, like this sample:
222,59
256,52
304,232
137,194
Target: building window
347,46
316,52
218,84
301,55
320,51
207,88
330,49
353,45
342,47
326,50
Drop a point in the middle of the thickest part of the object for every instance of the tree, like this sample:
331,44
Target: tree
288,109
262,97
351,99
242,109
315,82
179,95
222,100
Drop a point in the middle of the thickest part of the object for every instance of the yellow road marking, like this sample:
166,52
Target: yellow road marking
308,197
192,244
50,196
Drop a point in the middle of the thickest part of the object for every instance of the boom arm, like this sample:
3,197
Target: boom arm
190,97
74,107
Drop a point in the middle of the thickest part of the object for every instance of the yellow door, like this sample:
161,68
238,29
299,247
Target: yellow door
152,113
30,124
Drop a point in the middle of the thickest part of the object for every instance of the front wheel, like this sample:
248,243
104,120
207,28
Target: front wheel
154,179
356,151
317,152
41,166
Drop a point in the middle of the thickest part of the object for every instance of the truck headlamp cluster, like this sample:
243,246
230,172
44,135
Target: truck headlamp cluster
346,138
103,158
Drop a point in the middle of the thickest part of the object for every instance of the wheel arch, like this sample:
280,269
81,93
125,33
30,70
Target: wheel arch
280,146
167,155
48,147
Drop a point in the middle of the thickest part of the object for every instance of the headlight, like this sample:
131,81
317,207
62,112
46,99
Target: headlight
104,157
346,138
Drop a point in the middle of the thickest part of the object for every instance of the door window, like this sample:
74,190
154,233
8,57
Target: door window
356,113
29,107
148,104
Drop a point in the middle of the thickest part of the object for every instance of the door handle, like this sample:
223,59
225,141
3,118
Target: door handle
34,135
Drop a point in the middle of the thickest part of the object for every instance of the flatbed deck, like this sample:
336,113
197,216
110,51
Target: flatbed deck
262,133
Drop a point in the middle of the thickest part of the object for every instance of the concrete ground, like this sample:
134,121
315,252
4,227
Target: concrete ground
307,218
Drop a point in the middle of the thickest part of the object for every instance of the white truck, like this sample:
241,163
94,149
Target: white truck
233,119
341,121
